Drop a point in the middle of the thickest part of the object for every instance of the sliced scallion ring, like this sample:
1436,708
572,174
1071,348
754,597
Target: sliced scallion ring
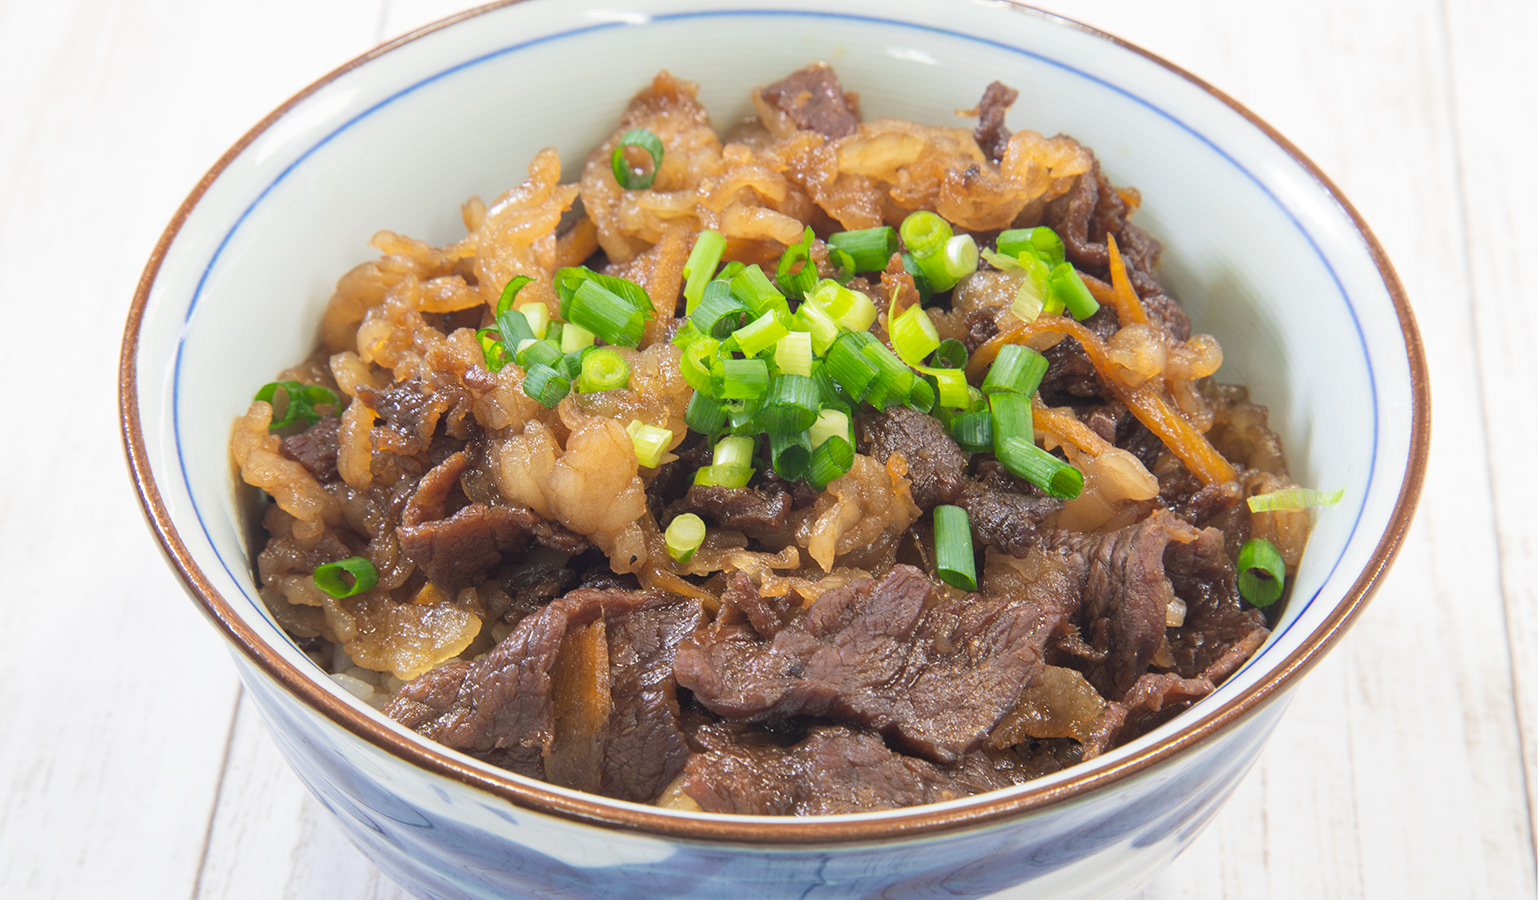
1261,571
347,578
627,176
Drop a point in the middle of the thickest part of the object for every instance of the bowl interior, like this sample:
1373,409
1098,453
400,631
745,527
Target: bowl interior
1259,251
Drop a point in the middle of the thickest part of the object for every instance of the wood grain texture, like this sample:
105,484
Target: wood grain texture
131,766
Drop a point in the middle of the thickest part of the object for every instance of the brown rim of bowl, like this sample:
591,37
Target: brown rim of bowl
889,825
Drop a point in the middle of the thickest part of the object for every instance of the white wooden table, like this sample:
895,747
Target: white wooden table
131,766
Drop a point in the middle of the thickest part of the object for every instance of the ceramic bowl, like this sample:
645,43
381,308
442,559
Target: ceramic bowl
1264,252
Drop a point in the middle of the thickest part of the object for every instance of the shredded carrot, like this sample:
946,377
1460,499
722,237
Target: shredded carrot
1145,402
1130,310
1101,290
1063,425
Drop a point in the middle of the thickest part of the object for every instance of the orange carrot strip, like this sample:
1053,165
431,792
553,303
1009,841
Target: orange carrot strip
1130,310
1068,429
1147,405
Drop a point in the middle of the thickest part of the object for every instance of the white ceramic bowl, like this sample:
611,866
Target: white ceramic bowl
1260,247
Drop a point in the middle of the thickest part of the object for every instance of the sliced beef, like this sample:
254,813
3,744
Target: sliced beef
1085,215
757,508
937,466
933,677
1202,572
833,770
1125,593
980,325
1071,377
315,448
991,133
410,411
501,707
1003,516
812,100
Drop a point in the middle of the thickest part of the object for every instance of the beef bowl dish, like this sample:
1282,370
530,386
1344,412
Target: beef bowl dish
787,477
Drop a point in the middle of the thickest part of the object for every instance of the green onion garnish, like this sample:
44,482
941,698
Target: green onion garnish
754,288
844,266
716,475
538,317
760,335
848,367
650,442
1066,287
973,431
794,353
719,313
914,335
537,352
546,385
830,460
812,319
492,349
791,404
924,233
869,248
954,548
301,401
1293,498
1017,370
575,338
603,370
797,256
1040,242
741,379
829,424
705,414
701,265
733,451
951,354
614,309
790,452
683,537
348,578
630,178
1261,572
961,257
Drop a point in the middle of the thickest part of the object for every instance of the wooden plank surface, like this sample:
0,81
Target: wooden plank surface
131,766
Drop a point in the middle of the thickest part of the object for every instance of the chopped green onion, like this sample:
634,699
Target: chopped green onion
683,537
895,380
510,291
830,423
830,460
301,401
546,385
921,283
922,395
794,353
718,475
811,318
614,309
1011,416
869,248
537,352
571,365
650,442
954,547
574,338
603,370
348,578
798,283
844,266
1261,572
705,414
961,257
760,335
701,265
696,362
924,233
1025,459
741,379
973,431
1040,242
492,349
1293,498
742,416
848,367
914,335
538,317
1066,286
951,354
791,404
733,451
790,452
719,313
951,386
852,309
630,178
754,288
1017,369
